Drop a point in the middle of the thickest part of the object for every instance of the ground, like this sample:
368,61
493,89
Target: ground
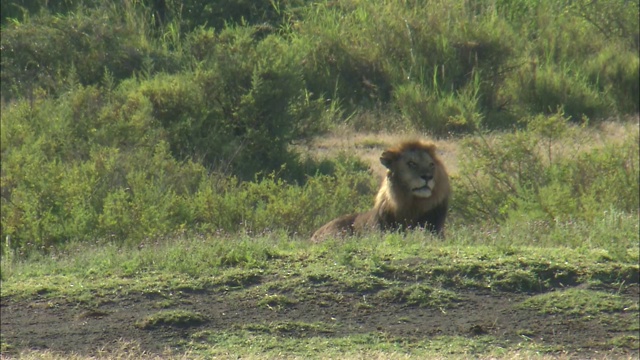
62,326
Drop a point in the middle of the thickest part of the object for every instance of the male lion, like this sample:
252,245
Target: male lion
414,194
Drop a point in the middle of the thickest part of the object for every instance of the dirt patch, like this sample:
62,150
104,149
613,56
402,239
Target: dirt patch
74,327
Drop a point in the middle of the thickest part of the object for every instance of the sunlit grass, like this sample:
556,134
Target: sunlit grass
207,345
578,302
277,272
525,257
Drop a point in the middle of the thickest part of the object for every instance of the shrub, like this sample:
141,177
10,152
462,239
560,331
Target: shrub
273,203
520,175
616,71
240,112
46,51
96,164
192,14
441,113
438,72
546,88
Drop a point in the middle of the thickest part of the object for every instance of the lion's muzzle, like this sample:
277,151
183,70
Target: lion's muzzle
425,190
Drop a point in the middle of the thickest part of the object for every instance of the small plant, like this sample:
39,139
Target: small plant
293,328
177,318
578,302
419,295
276,301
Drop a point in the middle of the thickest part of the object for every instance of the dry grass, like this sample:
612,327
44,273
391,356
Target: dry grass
369,145
130,351
589,138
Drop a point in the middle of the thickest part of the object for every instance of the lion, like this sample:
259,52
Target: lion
414,194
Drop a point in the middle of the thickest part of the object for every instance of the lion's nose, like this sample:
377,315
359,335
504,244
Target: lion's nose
427,177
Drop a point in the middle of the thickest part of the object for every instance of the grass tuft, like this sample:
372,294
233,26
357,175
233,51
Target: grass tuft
579,302
177,318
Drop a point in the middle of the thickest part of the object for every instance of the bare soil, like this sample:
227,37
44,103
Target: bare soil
62,326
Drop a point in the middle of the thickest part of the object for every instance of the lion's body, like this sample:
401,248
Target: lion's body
414,194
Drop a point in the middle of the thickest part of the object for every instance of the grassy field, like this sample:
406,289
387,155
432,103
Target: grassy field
481,293
163,164
523,289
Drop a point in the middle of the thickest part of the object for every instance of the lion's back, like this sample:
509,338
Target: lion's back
346,225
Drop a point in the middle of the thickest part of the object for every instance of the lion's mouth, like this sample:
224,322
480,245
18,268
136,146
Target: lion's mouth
425,190
422,192
429,185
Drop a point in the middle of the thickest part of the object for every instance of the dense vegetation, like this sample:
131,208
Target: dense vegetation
142,119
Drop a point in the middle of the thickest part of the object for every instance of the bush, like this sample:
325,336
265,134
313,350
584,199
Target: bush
192,14
241,109
49,50
440,114
616,71
545,88
409,57
272,203
488,62
521,175
98,165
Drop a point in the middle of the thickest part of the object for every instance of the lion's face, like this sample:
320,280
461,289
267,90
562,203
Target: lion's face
413,168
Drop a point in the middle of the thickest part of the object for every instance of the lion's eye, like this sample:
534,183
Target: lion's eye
412,164
432,165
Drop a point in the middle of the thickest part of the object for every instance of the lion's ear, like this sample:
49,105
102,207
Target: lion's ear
388,158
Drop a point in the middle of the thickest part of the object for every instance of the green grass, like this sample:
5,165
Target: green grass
357,346
578,302
419,295
301,328
467,259
412,269
275,301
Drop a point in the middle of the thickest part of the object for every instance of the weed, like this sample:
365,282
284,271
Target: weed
164,304
179,318
577,302
419,295
275,302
